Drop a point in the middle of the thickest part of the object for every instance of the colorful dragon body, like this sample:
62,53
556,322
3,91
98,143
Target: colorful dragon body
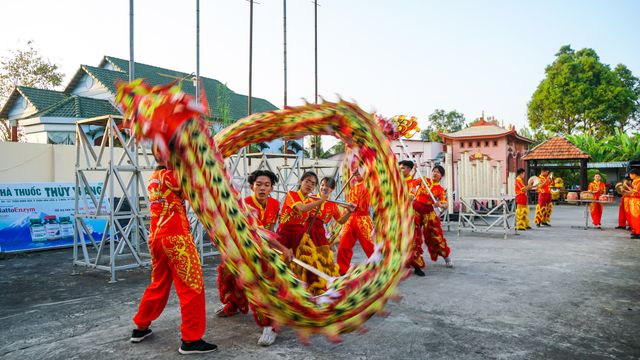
174,122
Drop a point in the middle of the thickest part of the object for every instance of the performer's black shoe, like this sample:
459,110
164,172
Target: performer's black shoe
546,224
635,236
197,347
418,271
538,225
521,229
528,227
139,335
621,227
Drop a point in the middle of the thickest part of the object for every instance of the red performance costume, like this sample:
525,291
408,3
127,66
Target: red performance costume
597,188
174,258
623,211
232,295
320,254
544,207
522,208
357,228
427,223
292,221
633,201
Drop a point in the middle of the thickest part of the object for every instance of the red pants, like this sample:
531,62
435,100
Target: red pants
175,259
543,209
596,213
234,298
429,230
622,213
633,214
358,227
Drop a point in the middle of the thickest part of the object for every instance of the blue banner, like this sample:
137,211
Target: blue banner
36,216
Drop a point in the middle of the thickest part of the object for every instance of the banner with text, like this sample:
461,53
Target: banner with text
37,216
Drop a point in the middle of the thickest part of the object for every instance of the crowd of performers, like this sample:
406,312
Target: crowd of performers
628,213
301,223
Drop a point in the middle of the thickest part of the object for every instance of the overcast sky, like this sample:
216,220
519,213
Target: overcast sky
394,56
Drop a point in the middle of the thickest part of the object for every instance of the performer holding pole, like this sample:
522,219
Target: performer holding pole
429,196
623,219
174,259
597,188
232,296
318,252
522,207
544,207
359,226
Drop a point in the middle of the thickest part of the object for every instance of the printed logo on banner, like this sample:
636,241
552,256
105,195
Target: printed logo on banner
41,215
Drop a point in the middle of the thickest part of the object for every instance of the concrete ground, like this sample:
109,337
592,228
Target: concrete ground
549,293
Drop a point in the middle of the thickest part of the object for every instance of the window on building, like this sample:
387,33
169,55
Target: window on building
470,144
495,142
462,144
478,143
486,143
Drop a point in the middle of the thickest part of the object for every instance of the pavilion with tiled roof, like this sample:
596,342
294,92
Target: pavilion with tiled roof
557,153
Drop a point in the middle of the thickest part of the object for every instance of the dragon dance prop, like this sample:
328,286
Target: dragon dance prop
174,122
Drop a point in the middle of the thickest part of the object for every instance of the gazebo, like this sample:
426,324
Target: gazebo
557,153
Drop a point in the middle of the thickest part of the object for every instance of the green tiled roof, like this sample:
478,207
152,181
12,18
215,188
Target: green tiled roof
156,76
78,107
41,98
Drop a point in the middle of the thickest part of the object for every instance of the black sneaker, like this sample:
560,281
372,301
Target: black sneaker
546,224
197,347
139,335
418,271
621,227
635,236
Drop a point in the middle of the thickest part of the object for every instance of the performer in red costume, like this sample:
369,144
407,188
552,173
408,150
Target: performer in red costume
266,209
545,206
633,202
407,171
174,259
597,188
623,219
522,207
427,222
359,226
297,209
317,232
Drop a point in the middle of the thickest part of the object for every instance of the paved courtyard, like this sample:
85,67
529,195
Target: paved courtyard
549,293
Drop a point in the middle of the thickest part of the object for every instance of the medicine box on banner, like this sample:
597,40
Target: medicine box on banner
40,215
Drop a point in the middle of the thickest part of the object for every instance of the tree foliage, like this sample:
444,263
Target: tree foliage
617,147
442,121
581,94
25,67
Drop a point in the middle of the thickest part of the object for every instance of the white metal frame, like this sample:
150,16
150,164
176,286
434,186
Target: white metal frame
497,218
127,245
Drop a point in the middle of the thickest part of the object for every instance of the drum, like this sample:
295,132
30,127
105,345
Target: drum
572,197
534,181
586,195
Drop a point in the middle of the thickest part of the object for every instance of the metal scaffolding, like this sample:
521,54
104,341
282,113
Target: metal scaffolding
119,161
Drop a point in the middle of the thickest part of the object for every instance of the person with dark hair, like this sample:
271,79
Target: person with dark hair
597,188
634,203
427,222
265,209
321,249
406,170
296,211
174,259
545,206
359,226
522,208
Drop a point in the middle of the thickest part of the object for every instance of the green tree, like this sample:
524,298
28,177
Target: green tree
25,67
580,94
632,84
538,137
442,121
